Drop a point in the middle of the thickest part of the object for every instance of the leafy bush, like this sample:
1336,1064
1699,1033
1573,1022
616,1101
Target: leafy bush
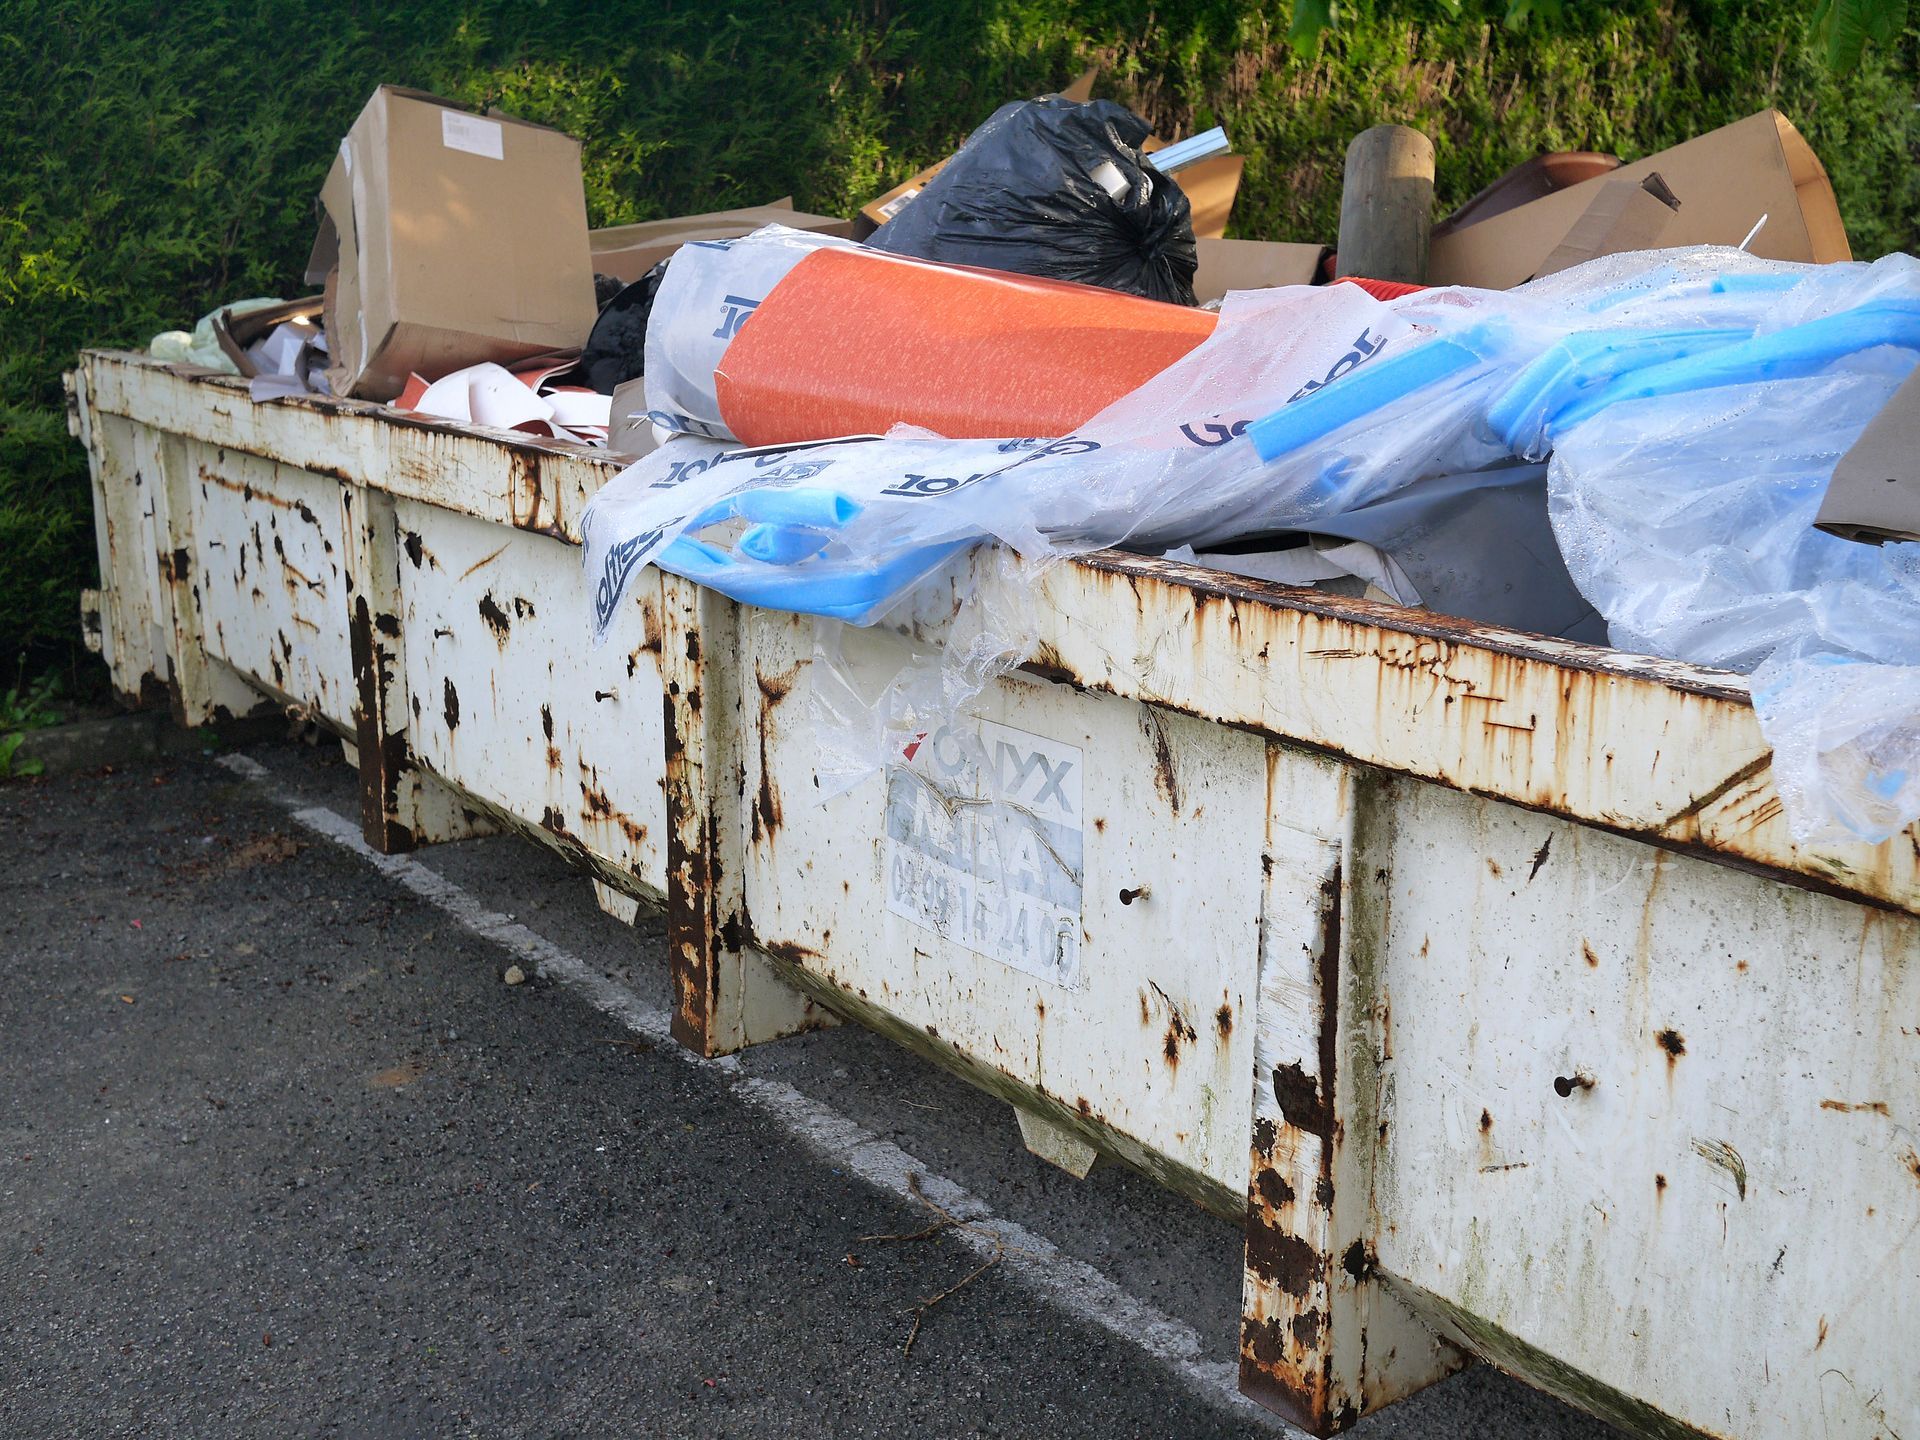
162,158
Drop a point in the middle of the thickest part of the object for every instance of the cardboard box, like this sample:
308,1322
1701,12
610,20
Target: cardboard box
1874,495
628,251
1253,265
1625,215
449,238
1727,179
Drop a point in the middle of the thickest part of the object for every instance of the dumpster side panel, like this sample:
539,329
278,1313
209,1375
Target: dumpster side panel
271,580
509,704
1098,943
1656,1119
515,480
1656,749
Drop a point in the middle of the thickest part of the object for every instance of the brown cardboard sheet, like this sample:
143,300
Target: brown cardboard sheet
1726,179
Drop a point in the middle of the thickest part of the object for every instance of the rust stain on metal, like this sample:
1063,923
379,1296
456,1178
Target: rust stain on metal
383,754
1540,858
1752,770
244,489
690,937
415,547
766,817
1223,1021
1287,1261
1268,1376
526,498
1850,1107
555,824
1593,960
1674,1043
1302,1105
450,707
1265,1134
766,803
1165,778
775,688
1272,1189
496,618
487,559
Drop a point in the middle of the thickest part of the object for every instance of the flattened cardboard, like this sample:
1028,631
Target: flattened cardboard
1728,178
1253,265
878,211
630,433
457,238
1874,495
234,333
1210,186
1626,215
629,251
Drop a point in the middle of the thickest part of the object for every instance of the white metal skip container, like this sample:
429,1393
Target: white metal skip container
1475,973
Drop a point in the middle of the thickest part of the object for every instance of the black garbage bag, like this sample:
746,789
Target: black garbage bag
1056,188
616,348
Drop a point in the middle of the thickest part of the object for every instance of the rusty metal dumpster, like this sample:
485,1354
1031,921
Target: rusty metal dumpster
1475,974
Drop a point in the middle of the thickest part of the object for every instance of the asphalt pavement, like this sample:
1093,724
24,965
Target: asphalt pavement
282,1155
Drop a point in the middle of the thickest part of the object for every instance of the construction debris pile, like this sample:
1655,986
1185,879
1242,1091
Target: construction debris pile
1654,404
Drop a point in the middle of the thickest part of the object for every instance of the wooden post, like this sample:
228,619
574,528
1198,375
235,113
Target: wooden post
1386,207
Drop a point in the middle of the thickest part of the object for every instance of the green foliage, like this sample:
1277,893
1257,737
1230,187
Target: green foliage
162,158
1846,26
27,705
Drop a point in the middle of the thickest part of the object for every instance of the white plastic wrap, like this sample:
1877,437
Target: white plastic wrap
1694,402
1688,521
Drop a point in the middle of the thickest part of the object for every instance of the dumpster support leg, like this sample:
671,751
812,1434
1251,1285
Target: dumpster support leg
1321,1341
401,805
726,995
126,627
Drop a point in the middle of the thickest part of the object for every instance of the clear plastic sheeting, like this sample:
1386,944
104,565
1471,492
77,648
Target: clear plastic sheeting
1688,520
1693,401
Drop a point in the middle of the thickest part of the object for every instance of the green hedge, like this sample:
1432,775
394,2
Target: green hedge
158,159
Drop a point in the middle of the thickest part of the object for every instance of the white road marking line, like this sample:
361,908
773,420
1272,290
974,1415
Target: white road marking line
1031,1259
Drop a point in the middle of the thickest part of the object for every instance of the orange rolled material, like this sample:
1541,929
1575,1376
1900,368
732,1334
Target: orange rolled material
851,342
